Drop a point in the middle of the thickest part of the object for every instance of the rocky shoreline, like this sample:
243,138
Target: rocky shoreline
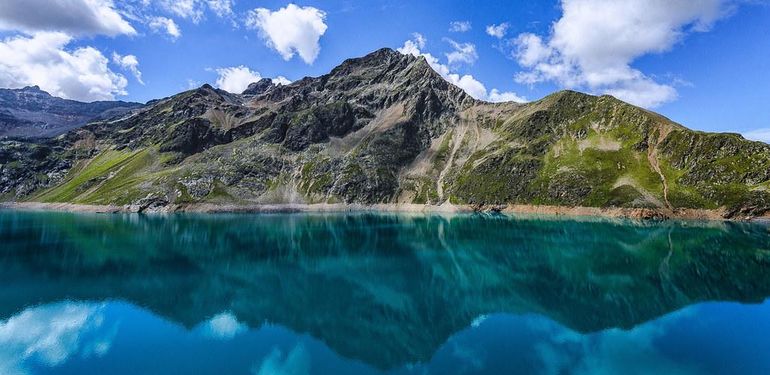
607,212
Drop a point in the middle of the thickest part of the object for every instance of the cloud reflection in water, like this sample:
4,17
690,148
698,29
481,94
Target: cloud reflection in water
49,335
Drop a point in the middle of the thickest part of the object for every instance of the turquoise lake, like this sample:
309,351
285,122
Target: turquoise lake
372,293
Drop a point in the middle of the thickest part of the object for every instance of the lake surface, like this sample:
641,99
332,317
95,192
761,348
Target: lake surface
380,293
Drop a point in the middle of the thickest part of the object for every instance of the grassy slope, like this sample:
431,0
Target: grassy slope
599,154
112,176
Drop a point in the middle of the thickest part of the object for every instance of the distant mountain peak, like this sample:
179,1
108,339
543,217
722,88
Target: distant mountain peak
33,112
28,91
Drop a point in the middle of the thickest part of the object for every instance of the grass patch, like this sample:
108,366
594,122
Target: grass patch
594,173
92,173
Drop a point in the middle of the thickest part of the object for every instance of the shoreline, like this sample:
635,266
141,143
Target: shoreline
578,211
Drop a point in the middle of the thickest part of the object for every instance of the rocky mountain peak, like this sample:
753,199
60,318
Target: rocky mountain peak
34,88
208,93
259,87
384,65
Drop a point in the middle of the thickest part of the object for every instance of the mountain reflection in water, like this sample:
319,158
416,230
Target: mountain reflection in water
355,293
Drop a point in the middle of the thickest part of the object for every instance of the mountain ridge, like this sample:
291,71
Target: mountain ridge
385,128
32,112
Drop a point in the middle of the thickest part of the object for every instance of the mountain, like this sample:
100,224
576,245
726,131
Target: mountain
31,112
386,128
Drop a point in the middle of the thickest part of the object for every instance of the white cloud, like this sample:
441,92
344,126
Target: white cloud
130,63
281,80
166,25
761,134
414,45
496,96
642,91
497,31
195,10
462,53
290,30
51,334
595,41
187,9
531,50
459,26
191,84
223,326
222,8
43,60
74,17
467,82
237,78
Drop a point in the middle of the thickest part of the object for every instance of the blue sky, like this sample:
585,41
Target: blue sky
702,63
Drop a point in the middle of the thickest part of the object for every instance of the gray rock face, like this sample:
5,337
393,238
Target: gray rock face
259,87
26,167
31,112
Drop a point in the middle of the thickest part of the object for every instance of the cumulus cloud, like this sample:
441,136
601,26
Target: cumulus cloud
531,50
497,31
237,78
290,30
129,63
466,82
585,50
166,25
414,45
74,17
762,134
461,53
459,26
43,59
471,85
281,80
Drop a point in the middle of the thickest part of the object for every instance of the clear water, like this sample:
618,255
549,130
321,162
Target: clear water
379,293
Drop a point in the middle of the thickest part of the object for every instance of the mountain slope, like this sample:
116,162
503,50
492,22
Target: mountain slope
385,128
31,112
